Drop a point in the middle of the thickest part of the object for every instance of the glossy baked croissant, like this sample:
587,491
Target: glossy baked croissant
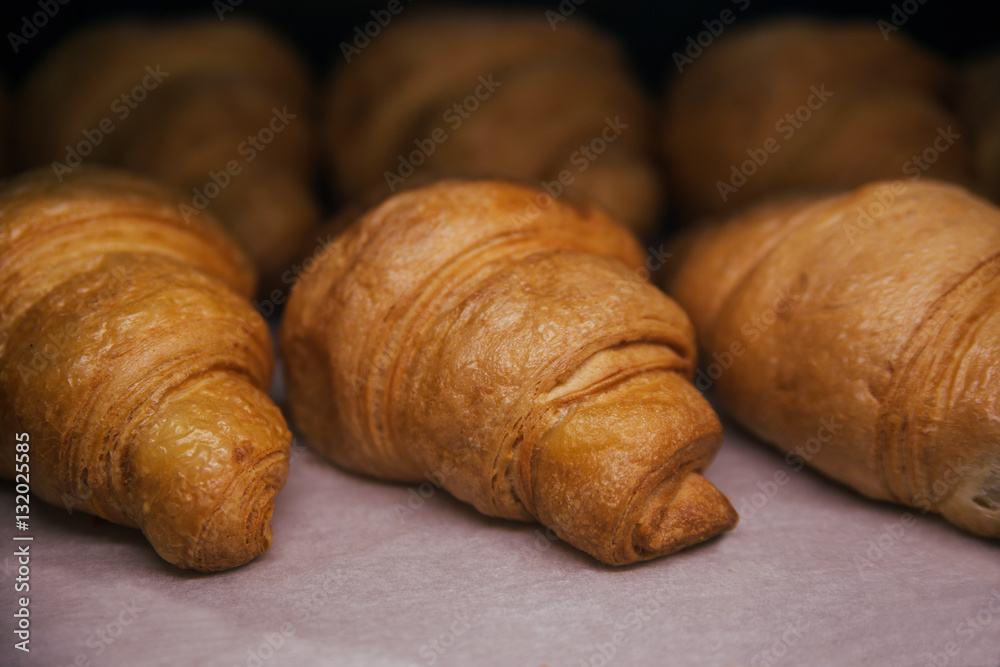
131,357
861,333
493,94
219,110
507,345
797,104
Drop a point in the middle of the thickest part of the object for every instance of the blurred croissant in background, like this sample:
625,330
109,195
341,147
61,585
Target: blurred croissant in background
220,110
794,104
493,94
4,129
981,111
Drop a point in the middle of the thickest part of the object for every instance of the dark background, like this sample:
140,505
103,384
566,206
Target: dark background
651,31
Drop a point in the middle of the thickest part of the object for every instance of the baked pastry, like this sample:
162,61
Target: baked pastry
797,104
859,334
981,113
509,346
493,94
5,133
133,361
219,110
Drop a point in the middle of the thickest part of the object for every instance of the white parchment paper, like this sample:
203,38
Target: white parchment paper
367,573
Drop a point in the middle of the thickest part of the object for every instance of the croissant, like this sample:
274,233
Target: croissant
507,345
492,94
795,104
219,110
131,358
981,112
6,133
859,334
4,128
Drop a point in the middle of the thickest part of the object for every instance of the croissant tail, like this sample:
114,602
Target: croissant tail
212,521
624,465
692,514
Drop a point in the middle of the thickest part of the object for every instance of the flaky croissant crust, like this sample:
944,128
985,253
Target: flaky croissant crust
869,324
464,330
130,355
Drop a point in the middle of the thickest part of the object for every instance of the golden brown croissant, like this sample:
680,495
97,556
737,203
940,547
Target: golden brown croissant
981,112
507,345
795,104
859,333
220,110
131,357
495,94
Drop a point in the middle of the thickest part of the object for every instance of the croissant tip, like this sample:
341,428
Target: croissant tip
240,530
695,513
974,504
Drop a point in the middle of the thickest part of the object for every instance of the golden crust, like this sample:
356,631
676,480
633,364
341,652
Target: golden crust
130,355
503,343
867,326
